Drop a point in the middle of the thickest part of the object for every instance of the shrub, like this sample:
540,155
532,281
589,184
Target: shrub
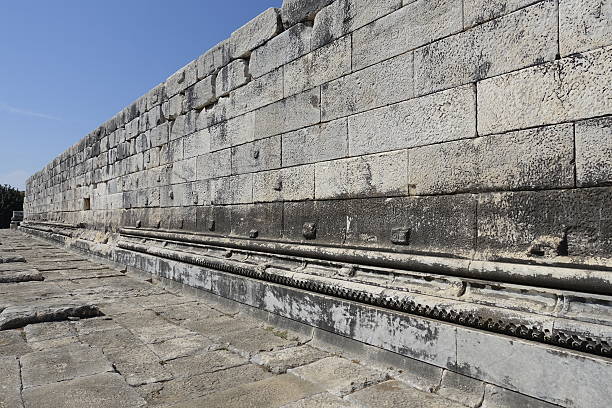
11,200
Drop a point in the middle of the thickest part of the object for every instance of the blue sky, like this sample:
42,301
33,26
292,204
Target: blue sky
66,66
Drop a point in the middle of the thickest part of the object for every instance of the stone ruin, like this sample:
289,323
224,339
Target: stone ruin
431,178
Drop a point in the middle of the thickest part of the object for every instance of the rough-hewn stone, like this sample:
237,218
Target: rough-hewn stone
255,33
594,152
584,25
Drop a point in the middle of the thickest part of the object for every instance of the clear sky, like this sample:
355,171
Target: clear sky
67,66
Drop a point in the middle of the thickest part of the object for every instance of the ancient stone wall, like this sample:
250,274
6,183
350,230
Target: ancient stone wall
430,178
462,127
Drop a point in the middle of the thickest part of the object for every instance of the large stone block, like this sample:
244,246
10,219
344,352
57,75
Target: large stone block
255,33
294,11
285,47
383,84
344,16
263,218
196,144
594,152
546,223
263,154
215,164
366,176
318,67
231,77
328,217
288,184
232,190
214,59
254,95
440,117
183,171
550,93
518,40
479,11
323,142
290,114
213,219
530,159
584,25
414,25
233,132
181,79
201,94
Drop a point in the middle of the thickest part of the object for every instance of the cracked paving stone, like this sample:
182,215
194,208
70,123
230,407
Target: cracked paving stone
279,361
138,365
394,394
182,347
49,331
137,304
183,389
112,338
88,326
269,393
107,390
12,343
208,362
188,311
10,383
256,340
63,363
339,376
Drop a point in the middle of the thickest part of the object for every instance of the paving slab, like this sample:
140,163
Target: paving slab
12,343
208,362
10,383
394,394
279,361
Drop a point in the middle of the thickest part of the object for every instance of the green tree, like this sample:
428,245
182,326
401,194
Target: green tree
11,200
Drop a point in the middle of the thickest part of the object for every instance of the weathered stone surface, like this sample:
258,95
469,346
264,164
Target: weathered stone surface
318,67
285,47
440,117
414,25
201,94
209,362
465,390
290,184
594,152
584,25
215,164
374,175
294,11
322,400
261,218
12,343
64,363
20,276
232,76
280,361
264,154
255,33
196,144
108,390
232,190
479,11
526,37
338,376
383,84
138,365
327,141
500,397
212,60
392,394
10,382
343,16
529,159
181,80
257,93
559,91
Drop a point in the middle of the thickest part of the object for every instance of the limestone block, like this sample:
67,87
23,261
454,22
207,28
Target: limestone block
292,113
232,190
366,176
566,379
159,135
171,152
174,107
443,116
393,393
201,94
231,77
257,93
318,67
196,144
316,143
294,11
379,85
255,33
530,159
214,59
546,223
456,387
288,184
215,164
501,397
344,16
181,79
263,154
584,25
142,143
155,96
409,27
154,117
550,93
518,40
594,152
201,192
479,11
285,47
263,218
233,132
182,126
183,171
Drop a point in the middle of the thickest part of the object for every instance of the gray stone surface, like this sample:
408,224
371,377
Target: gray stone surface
255,33
584,25
338,376
279,361
290,184
285,47
232,76
394,394
10,382
322,400
562,91
479,11
594,152
294,11
12,343
465,390
327,141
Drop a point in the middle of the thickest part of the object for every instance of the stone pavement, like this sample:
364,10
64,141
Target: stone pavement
74,333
